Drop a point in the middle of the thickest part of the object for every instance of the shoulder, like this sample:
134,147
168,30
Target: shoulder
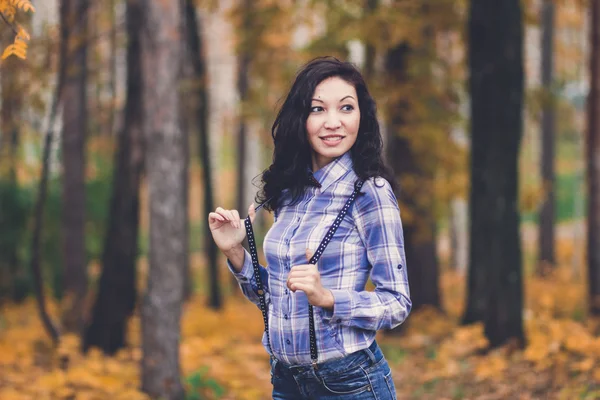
376,191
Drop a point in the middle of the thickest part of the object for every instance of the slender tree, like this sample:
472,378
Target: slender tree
369,69
546,224
112,83
495,51
243,74
10,114
116,297
49,325
420,229
162,47
198,61
593,167
73,22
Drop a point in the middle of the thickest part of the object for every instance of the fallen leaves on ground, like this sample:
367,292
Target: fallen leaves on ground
434,358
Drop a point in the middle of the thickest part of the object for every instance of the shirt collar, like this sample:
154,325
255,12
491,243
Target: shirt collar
332,171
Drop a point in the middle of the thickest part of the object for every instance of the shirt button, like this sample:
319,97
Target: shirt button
285,316
285,291
399,266
287,341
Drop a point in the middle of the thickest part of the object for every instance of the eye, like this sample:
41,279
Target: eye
347,107
316,109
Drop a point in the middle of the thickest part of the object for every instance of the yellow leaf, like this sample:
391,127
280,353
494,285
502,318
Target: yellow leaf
22,33
24,5
585,365
8,52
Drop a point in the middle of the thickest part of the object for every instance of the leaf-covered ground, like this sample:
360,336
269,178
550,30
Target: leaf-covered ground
222,358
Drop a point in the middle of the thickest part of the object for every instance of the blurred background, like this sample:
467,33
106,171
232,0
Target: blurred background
125,122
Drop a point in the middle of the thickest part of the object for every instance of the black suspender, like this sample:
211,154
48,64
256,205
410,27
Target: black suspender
313,260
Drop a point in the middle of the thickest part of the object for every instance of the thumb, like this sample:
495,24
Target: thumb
309,254
251,212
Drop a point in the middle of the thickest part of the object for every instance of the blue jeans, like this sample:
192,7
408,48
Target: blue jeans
362,375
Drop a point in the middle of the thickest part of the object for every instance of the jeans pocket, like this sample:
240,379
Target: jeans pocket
351,382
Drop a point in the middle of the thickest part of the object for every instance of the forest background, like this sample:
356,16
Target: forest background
124,122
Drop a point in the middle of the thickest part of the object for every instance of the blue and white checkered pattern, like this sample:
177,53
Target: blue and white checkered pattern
368,243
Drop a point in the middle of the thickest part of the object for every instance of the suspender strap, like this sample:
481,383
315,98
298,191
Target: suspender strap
260,291
314,355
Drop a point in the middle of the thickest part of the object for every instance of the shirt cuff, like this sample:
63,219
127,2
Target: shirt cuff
247,270
342,307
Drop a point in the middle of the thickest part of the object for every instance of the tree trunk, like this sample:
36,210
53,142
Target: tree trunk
112,84
495,289
74,20
459,237
242,87
369,69
117,288
38,218
165,166
197,53
546,223
12,274
593,166
420,229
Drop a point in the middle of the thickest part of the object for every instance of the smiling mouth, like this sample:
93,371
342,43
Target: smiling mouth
332,139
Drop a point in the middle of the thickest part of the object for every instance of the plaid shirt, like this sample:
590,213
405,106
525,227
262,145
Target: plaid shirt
368,242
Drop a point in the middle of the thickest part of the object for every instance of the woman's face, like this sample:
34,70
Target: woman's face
333,121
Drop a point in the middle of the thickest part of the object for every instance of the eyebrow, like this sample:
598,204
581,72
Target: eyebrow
343,98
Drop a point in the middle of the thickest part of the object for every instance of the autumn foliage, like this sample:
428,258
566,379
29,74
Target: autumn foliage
436,359
8,9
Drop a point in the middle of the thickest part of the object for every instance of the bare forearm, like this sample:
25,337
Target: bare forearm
236,257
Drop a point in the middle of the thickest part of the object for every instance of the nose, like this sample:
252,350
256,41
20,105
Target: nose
333,121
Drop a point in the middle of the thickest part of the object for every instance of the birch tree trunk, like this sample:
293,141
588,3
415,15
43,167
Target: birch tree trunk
547,219
162,46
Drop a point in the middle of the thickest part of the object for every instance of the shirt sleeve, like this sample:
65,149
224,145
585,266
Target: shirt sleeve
377,217
247,280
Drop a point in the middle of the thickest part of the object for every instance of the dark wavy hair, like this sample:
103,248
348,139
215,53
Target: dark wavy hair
292,153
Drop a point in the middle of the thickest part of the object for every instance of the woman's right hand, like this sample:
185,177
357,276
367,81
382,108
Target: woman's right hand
227,228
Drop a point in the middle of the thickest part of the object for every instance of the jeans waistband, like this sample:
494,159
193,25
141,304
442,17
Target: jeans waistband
296,369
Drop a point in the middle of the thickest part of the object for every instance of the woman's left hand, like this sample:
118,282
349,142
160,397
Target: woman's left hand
307,279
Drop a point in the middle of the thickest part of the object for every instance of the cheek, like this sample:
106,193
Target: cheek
354,124
312,127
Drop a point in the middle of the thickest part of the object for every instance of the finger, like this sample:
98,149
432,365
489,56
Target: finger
224,213
212,217
302,287
303,268
230,217
252,212
309,254
236,216
303,280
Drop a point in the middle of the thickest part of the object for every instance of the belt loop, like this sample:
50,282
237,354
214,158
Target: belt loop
371,355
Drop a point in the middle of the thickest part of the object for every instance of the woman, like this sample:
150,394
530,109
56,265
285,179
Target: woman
327,142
